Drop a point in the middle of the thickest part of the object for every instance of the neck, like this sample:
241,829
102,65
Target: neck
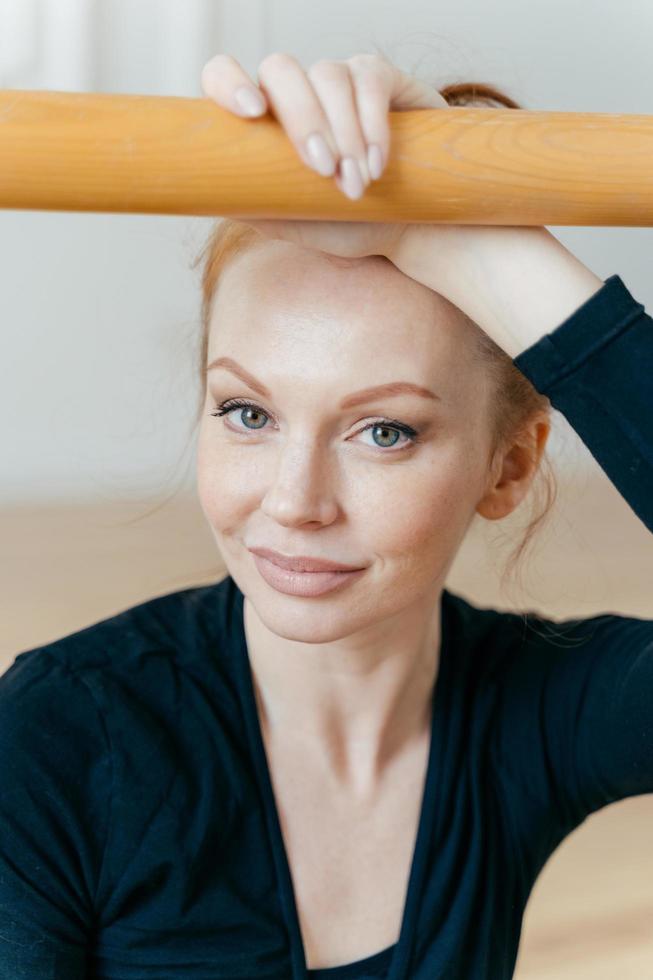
356,704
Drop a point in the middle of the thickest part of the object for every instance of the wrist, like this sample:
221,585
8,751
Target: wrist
517,283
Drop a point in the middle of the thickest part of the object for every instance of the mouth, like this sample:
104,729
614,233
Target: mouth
303,563
299,583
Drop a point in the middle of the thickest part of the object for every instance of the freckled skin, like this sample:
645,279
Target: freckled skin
352,668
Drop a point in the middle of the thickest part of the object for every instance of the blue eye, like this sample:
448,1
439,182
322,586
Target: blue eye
385,425
225,407
396,427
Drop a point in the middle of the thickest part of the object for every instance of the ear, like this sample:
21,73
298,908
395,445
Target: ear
516,466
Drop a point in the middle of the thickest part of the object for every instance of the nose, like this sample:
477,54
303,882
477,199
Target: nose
301,490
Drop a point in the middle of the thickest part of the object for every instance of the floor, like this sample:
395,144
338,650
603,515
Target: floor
590,914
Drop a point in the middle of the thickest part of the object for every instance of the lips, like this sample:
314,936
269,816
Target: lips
303,563
304,584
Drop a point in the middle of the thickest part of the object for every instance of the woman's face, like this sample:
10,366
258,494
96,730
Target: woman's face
296,473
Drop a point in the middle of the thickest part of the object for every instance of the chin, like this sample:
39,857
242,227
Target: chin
305,625
319,619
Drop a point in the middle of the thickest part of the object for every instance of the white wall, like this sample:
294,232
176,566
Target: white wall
100,312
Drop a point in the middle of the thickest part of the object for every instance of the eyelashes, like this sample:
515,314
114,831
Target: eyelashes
227,406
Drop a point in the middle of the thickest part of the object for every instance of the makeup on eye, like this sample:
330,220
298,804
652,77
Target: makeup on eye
412,435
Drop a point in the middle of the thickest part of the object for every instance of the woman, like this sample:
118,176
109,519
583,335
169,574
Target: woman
349,773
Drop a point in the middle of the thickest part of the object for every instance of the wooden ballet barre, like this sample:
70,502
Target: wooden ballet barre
72,151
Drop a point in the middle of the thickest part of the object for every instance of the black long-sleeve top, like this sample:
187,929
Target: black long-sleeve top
139,836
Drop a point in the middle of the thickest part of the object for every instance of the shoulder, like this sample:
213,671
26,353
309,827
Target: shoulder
127,666
165,626
493,643
104,728
536,665
165,621
98,728
480,637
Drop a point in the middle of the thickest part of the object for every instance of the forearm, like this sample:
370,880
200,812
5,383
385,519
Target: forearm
516,283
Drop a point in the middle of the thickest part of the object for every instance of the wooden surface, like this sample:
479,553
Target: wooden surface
86,151
590,914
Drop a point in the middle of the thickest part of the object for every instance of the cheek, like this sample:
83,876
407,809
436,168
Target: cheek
423,510
226,488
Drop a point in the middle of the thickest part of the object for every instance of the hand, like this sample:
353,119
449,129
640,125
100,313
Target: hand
346,103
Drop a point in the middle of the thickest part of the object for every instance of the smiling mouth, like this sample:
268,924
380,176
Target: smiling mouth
306,584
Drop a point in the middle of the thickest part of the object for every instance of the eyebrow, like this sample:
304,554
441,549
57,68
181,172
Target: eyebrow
356,398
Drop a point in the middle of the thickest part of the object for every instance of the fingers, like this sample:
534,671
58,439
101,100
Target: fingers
300,112
333,88
318,111
335,115
373,80
228,84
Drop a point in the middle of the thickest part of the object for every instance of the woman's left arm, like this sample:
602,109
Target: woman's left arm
585,343
516,283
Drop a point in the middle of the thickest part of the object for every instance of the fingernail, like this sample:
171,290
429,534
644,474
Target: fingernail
352,181
375,161
249,101
320,155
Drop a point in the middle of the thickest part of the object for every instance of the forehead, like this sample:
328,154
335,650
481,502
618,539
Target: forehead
317,313
276,273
